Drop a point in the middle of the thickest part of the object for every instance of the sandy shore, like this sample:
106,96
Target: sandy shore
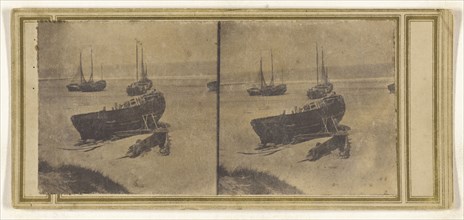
190,112
370,112
190,169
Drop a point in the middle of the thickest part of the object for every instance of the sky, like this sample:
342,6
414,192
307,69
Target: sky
352,48
348,45
113,44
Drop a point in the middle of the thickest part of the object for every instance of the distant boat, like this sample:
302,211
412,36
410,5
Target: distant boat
318,118
143,85
265,89
87,85
75,87
321,89
212,86
391,88
90,85
142,112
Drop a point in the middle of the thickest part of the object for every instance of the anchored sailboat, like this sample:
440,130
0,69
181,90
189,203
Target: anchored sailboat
87,85
321,89
75,87
90,85
144,84
265,89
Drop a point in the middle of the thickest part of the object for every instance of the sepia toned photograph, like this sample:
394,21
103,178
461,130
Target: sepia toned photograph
232,109
124,107
308,107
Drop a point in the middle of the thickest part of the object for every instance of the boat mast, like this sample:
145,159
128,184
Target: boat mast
146,70
143,66
324,73
282,75
272,69
101,71
91,66
261,75
218,67
137,60
317,65
80,68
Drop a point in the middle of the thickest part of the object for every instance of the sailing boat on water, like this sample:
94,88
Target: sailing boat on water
265,89
87,85
144,84
90,85
75,87
321,89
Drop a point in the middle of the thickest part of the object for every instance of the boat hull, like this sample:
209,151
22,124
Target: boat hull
329,87
268,90
73,87
391,88
316,93
254,92
93,86
139,87
283,129
103,124
320,91
274,90
212,86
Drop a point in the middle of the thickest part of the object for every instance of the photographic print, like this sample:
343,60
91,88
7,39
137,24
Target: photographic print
232,109
124,107
308,107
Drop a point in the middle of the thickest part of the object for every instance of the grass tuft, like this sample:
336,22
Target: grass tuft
252,182
71,179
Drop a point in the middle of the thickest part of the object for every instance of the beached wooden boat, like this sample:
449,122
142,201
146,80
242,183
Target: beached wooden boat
318,118
142,112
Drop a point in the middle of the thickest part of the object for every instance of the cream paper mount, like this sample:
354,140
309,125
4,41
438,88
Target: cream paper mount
232,109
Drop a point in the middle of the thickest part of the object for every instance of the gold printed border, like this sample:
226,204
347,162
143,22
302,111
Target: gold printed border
20,200
436,183
19,136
